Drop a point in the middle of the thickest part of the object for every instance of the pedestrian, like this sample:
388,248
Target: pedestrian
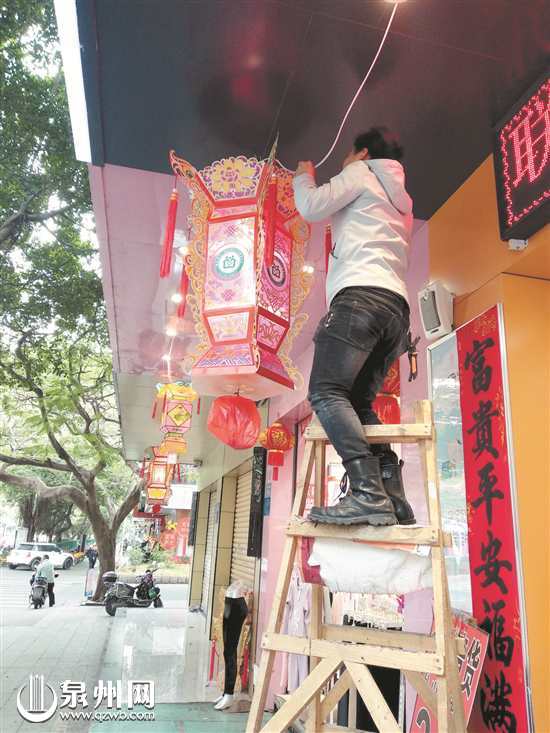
91,554
367,324
46,570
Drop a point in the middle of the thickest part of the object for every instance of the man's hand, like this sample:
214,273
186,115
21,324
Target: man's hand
305,166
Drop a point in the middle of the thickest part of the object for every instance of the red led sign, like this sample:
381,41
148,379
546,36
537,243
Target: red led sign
522,163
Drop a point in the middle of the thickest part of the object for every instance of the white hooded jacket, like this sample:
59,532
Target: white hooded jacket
371,217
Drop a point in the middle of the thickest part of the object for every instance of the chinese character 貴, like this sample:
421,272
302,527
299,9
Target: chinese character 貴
483,429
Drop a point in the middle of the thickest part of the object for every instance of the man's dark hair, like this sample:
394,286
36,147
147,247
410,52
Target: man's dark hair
380,142
45,557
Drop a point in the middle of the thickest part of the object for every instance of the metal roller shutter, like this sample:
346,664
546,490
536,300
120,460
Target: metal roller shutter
242,567
208,559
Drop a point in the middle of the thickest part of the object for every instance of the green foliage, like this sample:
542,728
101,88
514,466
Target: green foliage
135,556
59,426
48,271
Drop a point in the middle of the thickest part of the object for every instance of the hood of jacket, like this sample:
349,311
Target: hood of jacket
391,176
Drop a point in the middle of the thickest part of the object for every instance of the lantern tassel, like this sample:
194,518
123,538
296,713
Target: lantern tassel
168,246
276,473
328,246
199,406
270,211
184,287
142,469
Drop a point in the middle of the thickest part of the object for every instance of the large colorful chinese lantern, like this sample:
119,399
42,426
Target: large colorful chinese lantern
245,267
177,411
277,439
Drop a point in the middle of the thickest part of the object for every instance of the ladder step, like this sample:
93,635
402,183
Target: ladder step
397,534
416,661
406,433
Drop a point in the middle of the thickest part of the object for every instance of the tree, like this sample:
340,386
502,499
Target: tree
39,515
64,442
60,434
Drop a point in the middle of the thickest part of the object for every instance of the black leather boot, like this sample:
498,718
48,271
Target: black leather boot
365,503
392,477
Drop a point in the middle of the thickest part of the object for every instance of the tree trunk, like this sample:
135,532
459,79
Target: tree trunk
105,539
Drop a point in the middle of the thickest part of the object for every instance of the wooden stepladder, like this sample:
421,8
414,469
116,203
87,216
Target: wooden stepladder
347,650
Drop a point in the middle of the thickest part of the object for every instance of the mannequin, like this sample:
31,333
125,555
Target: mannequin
234,614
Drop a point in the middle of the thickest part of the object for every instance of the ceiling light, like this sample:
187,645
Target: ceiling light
171,331
166,357
184,250
308,269
176,297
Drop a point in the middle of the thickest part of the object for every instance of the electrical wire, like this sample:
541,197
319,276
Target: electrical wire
357,93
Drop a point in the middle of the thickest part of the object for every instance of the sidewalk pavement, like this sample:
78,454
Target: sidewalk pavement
83,644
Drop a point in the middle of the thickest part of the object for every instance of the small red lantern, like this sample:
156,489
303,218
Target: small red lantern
277,439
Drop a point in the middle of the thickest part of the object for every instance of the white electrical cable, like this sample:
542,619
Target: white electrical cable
357,93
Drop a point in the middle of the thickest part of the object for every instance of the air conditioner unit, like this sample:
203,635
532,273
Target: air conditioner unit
435,303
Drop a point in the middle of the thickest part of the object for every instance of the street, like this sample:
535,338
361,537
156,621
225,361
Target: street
15,587
85,645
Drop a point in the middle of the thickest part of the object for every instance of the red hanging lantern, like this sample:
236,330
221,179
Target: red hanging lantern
235,421
277,439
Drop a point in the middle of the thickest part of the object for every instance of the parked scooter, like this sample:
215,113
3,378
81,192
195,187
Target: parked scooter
124,595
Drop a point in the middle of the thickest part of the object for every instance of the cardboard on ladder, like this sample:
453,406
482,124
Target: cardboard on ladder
349,650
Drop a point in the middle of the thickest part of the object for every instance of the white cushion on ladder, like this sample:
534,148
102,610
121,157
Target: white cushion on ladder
357,567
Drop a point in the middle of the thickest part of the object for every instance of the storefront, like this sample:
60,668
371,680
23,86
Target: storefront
456,240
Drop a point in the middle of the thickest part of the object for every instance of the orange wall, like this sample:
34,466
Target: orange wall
465,246
466,253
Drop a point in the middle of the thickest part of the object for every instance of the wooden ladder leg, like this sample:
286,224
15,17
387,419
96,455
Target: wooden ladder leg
314,721
261,686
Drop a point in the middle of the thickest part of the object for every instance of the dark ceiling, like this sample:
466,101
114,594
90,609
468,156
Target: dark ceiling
212,78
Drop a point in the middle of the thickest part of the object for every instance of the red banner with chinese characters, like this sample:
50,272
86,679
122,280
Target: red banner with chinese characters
501,706
469,672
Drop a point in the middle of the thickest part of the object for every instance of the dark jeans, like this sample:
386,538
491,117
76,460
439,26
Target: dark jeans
356,343
51,595
234,614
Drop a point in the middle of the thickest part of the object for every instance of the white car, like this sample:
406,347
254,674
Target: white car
30,554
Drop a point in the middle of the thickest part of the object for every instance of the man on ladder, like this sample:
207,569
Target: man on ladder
366,327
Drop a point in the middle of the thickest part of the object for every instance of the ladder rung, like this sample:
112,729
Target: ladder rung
406,433
415,661
386,637
396,534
